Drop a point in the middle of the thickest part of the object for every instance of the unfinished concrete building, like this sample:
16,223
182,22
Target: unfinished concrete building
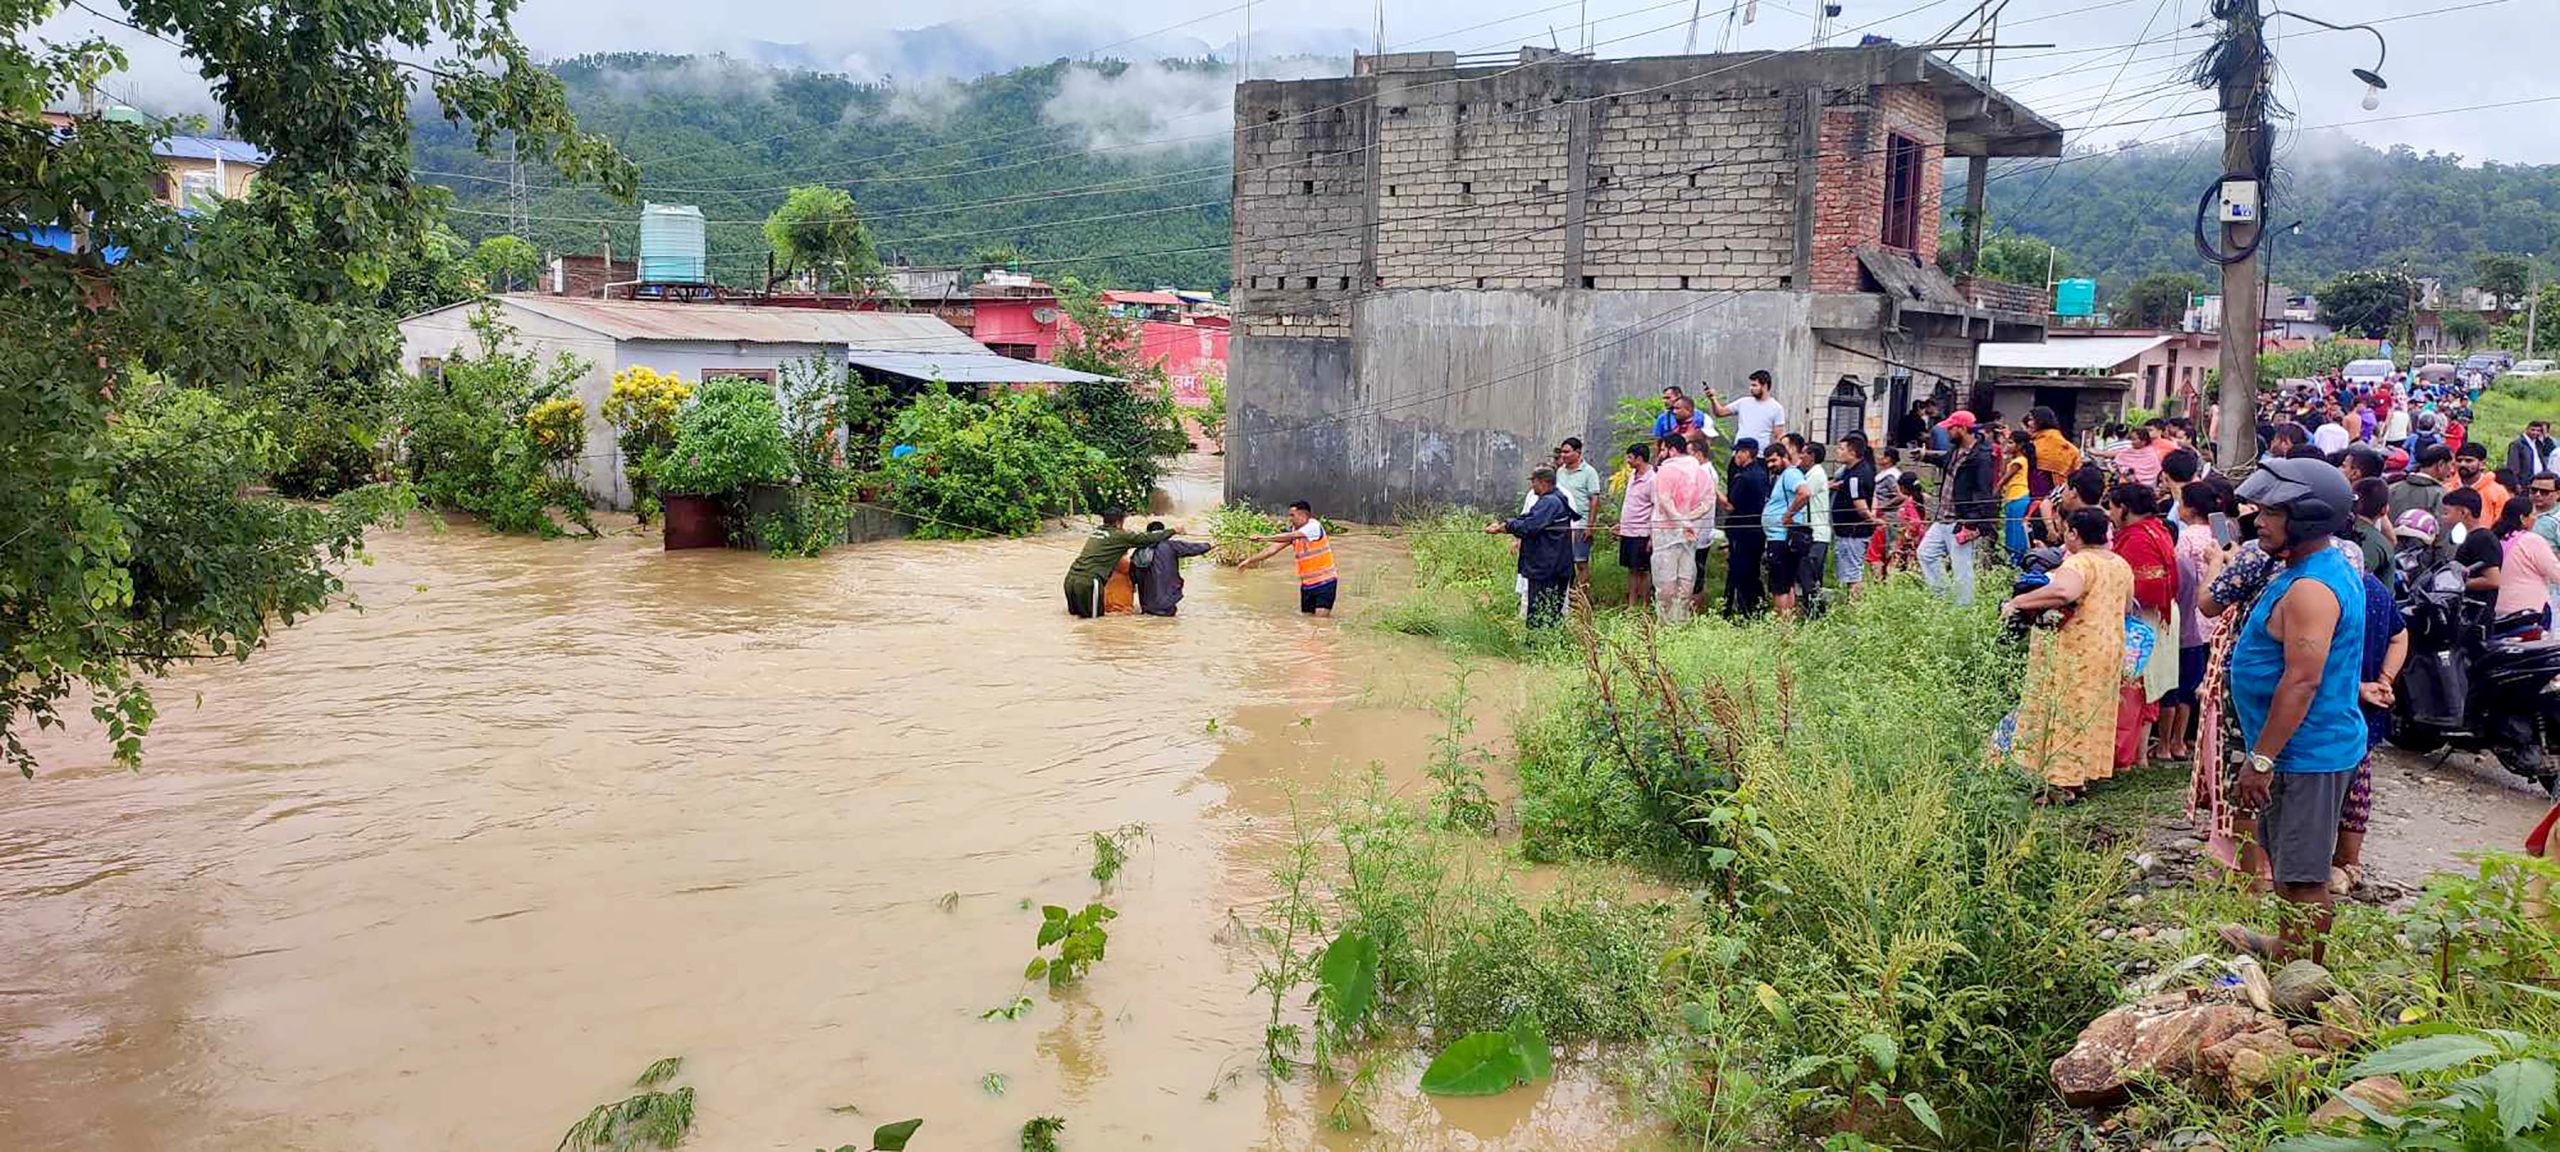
1440,271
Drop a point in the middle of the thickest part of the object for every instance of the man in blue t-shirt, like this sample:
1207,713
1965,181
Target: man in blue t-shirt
2295,677
1786,549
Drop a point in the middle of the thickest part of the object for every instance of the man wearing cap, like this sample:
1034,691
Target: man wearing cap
2423,488
1967,508
2296,671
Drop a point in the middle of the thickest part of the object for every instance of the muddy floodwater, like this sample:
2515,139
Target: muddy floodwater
445,873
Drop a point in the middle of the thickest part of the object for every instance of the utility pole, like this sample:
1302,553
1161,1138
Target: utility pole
2532,303
2244,135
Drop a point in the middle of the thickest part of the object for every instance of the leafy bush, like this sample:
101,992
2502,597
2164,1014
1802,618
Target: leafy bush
727,439
998,467
466,442
1213,415
642,410
1899,922
331,439
1132,419
1237,529
558,427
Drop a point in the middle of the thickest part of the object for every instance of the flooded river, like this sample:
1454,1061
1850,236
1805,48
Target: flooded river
446,872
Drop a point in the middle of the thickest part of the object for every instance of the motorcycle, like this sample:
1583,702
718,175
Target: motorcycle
2460,687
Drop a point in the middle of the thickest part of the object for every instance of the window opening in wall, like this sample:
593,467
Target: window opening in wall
1466,187
1590,281
760,375
1311,283
1542,186
1684,283
1391,189
432,367
1307,187
1342,283
1902,193
1479,281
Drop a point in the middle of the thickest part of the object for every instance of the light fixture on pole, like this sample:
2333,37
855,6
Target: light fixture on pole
2372,77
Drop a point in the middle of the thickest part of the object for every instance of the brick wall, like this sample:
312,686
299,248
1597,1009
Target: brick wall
1474,180
1693,190
1849,176
1301,205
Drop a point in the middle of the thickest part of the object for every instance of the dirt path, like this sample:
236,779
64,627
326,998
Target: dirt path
2428,813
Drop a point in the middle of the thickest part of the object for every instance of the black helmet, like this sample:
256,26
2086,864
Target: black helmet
2317,501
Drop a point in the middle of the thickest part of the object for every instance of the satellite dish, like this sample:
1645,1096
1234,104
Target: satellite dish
1044,315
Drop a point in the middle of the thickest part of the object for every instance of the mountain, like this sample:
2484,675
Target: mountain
1119,172
2119,215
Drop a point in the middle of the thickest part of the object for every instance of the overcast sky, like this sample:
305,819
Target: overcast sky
2108,79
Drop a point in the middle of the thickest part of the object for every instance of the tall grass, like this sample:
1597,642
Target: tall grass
1234,531
1900,921
2508,405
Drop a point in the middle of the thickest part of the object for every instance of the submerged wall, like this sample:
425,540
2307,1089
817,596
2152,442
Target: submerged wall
1450,397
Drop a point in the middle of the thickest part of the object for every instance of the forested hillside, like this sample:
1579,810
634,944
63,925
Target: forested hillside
2122,215
1118,173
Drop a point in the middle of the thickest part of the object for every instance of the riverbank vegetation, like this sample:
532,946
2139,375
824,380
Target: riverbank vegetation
1852,927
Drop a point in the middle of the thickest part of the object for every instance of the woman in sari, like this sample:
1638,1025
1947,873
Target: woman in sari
2056,457
2066,720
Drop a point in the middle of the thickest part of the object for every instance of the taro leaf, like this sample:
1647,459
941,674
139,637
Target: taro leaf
1481,1064
1053,925
1348,977
1529,1043
894,1137
2424,1054
2523,1090
1037,968
1922,1112
1881,1049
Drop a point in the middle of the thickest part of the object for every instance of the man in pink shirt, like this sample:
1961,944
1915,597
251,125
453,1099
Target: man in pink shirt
1635,524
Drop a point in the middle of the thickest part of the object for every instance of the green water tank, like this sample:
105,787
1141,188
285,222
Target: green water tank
671,248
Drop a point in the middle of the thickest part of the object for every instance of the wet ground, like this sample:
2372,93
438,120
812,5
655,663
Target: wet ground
2429,812
444,873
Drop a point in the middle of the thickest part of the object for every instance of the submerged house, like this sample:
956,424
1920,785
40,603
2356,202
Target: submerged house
699,341
1440,269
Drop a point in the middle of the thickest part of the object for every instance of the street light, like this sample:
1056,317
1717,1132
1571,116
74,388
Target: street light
2372,77
2268,285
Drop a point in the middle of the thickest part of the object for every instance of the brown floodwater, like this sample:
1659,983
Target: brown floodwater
443,873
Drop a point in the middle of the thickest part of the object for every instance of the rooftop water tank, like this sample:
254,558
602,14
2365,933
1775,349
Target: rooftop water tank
671,245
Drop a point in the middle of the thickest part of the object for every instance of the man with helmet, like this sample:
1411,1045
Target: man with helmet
2295,672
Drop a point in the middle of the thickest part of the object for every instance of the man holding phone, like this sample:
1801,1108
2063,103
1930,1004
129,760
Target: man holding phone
1968,507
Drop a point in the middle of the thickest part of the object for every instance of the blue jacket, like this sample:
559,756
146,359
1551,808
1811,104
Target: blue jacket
1546,539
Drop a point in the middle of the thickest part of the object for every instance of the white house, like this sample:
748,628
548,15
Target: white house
692,341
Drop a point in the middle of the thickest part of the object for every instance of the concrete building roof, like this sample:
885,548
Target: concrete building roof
734,323
2069,353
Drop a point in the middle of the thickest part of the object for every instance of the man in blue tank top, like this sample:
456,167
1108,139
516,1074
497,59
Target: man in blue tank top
2294,676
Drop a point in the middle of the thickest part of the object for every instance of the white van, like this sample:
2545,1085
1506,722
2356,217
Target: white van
2530,368
2367,371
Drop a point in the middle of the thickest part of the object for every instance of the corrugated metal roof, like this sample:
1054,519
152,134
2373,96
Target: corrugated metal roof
967,368
2069,354
666,320
210,147
1163,299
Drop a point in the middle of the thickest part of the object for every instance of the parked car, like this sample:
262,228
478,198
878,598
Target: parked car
2531,368
2367,371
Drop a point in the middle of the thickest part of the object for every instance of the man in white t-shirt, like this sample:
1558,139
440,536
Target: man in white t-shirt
1758,416
1581,486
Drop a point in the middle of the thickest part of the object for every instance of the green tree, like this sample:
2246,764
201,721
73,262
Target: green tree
2158,300
1131,417
818,229
2020,259
145,393
2365,303
2465,329
2504,275
506,263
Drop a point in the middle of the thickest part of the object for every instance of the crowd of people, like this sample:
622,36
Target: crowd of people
2249,629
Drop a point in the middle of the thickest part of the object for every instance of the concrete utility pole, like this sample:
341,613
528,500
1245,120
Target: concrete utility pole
2244,128
2532,304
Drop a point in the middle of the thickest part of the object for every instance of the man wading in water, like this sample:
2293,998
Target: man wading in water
1313,546
1102,553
